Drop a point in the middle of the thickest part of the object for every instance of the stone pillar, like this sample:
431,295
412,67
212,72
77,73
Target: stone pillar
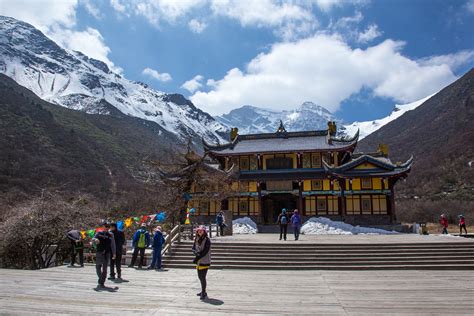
228,216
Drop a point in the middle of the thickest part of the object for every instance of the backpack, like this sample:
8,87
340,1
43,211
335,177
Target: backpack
141,240
283,220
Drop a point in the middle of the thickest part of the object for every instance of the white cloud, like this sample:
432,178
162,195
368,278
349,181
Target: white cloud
118,6
41,13
328,5
197,26
289,20
156,11
57,20
163,77
452,60
371,33
326,70
91,9
193,84
470,6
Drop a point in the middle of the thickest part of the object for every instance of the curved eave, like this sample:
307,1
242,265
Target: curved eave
366,158
353,139
211,147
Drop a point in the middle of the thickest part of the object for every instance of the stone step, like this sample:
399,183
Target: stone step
321,258
328,252
331,246
335,267
323,263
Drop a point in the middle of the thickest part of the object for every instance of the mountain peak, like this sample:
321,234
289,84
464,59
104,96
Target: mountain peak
76,81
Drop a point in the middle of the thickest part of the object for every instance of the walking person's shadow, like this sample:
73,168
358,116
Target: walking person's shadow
213,301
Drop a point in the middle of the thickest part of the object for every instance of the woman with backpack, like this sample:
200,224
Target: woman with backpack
202,251
283,222
141,240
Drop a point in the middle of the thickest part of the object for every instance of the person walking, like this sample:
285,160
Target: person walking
141,240
158,241
220,221
105,243
283,222
462,224
202,260
116,263
444,223
77,247
296,223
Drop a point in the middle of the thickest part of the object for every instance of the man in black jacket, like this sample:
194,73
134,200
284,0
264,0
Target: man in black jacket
119,238
105,242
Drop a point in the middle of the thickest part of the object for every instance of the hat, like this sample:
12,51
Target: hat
442,215
202,227
295,211
460,215
104,223
158,229
283,210
143,225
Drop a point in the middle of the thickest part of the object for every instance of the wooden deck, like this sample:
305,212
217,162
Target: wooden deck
65,290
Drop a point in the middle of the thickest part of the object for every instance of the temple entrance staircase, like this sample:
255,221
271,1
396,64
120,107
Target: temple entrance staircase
318,256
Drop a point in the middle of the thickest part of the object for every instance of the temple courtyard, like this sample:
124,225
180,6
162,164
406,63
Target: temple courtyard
63,290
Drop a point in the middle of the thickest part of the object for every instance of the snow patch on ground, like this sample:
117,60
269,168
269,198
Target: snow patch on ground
244,225
325,226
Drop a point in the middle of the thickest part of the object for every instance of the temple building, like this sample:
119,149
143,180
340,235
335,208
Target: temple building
315,172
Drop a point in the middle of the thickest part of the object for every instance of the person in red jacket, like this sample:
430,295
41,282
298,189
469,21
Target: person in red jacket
444,223
462,224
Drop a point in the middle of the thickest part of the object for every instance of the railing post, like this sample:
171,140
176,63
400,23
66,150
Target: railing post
210,230
179,232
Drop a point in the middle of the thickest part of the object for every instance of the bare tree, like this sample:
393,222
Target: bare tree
34,234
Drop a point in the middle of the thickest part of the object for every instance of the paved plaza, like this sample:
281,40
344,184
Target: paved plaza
63,290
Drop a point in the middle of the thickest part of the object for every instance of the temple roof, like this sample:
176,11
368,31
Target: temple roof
282,141
378,166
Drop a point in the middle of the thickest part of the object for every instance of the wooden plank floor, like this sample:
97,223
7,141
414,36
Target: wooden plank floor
65,290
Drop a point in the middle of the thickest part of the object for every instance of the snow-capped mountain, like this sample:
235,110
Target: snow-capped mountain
73,80
250,119
368,127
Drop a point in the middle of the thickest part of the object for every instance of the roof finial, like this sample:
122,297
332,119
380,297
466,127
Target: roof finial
281,128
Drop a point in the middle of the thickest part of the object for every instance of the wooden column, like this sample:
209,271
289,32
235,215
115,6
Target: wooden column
342,186
300,197
260,214
391,184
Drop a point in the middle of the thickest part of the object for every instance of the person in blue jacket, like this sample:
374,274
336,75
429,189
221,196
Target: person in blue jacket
158,241
296,222
141,240
220,221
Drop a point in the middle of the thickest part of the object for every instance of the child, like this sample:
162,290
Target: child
444,223
462,224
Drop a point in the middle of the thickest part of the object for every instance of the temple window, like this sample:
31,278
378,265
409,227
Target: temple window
316,185
253,163
316,160
366,183
244,163
307,160
280,163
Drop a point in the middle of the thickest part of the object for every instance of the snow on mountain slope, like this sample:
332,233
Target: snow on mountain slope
76,81
368,127
249,119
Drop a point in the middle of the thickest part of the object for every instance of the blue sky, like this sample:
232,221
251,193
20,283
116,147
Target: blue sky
355,57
